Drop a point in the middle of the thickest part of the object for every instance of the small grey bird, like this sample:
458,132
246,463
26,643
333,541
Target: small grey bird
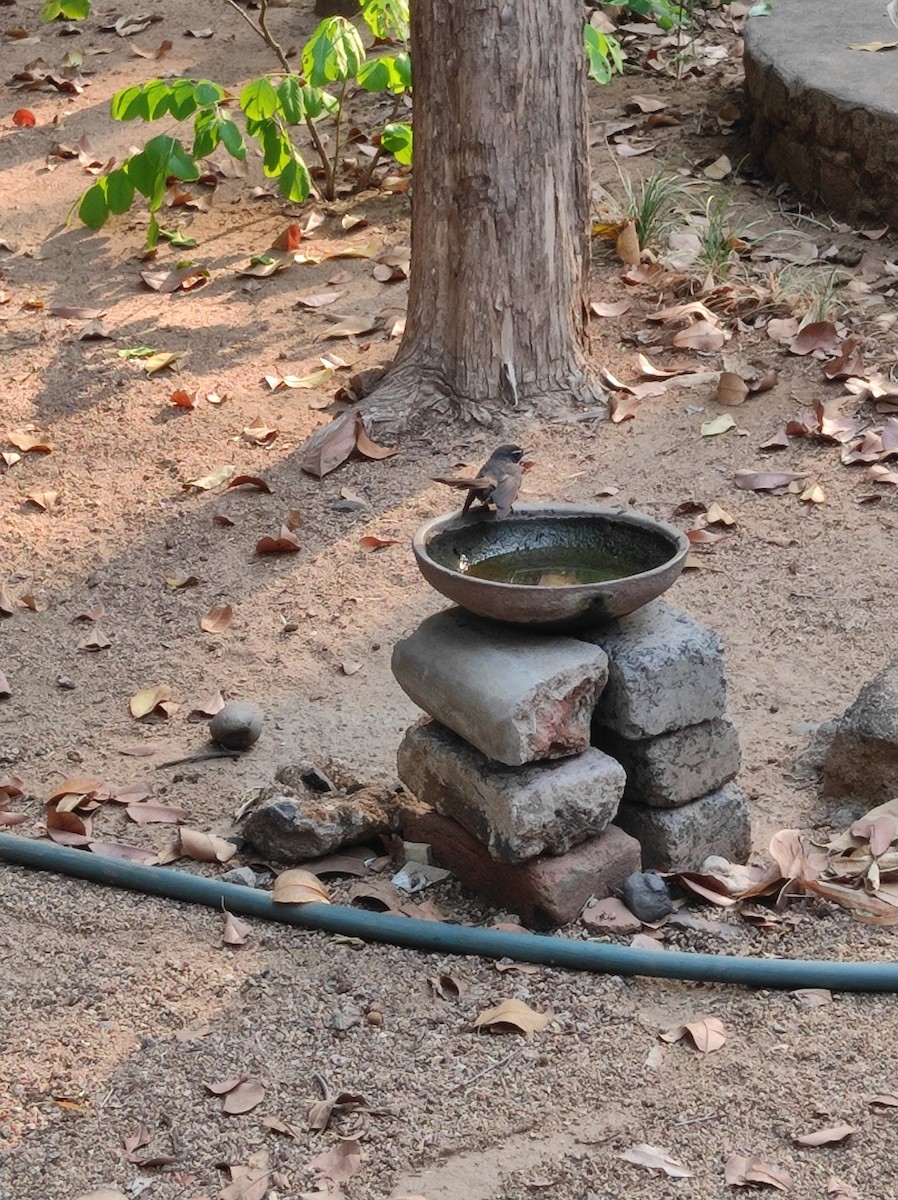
497,482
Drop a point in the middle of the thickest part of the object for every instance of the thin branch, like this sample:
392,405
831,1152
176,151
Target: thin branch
337,121
366,178
322,154
262,31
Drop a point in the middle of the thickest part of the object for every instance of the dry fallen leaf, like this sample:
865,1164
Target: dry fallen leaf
254,481
299,887
717,426
339,1163
731,388
653,1158
742,1171
235,931
205,847
217,619
371,542
718,516
610,308
706,1034
369,449
837,1189
155,814
819,335
144,702
320,1113
206,483
317,379
825,1137
512,1016
286,542
624,408
209,707
259,434
873,47
330,446
764,481
43,500
627,244
26,441
241,1094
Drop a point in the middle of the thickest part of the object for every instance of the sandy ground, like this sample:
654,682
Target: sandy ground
118,1010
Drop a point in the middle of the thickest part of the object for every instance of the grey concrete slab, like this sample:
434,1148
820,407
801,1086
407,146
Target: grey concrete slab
824,116
516,696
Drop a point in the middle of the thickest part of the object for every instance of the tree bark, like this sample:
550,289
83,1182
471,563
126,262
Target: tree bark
500,215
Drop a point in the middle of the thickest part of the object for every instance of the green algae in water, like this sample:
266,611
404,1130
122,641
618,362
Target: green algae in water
555,566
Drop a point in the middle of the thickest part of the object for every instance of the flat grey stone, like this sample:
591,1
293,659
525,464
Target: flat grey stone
237,726
807,765
677,839
516,812
665,671
862,760
517,697
825,116
673,768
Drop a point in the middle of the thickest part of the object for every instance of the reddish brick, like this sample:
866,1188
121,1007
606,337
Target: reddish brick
549,890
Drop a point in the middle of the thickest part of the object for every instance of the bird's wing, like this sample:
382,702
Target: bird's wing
505,492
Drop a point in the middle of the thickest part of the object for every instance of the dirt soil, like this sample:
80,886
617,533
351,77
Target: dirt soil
118,1010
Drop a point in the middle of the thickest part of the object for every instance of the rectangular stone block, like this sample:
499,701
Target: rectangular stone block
678,839
544,892
665,671
518,697
516,812
673,768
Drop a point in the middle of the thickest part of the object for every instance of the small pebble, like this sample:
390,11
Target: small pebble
237,726
646,896
374,1017
64,681
245,876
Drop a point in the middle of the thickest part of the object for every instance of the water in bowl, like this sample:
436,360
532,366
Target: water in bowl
554,566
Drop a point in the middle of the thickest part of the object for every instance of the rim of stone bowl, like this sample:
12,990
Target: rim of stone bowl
550,608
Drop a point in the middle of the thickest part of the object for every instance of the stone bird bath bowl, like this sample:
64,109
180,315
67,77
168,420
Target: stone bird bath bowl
550,566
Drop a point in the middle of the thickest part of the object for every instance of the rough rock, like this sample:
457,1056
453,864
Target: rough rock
807,765
665,671
545,891
293,826
517,812
862,761
675,839
646,896
518,697
673,768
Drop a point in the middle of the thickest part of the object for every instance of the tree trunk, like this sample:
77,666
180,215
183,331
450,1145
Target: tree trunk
500,215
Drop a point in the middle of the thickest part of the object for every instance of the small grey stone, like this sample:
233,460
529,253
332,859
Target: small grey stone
63,681
316,780
343,1019
666,671
237,726
244,876
677,839
516,812
518,697
646,896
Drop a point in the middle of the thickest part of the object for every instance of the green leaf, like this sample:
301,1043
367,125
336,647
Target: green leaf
130,103
397,139
403,64
382,75
148,175
206,132
177,238
276,149
72,10
333,53
153,232
232,138
93,209
259,100
119,191
290,97
181,163
295,181
159,99
183,101
387,18
603,54
316,101
208,93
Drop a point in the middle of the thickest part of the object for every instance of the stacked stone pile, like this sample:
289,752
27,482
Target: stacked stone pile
551,759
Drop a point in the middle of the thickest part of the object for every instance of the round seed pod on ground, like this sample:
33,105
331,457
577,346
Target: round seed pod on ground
237,726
